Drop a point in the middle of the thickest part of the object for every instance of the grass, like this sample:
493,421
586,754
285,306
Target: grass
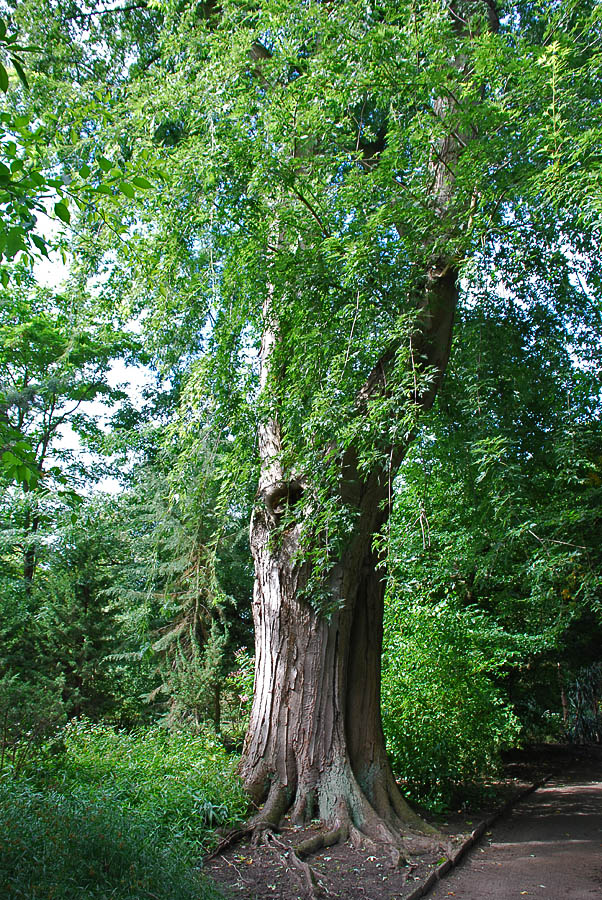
107,814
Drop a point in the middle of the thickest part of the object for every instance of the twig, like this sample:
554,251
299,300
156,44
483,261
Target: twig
306,203
552,541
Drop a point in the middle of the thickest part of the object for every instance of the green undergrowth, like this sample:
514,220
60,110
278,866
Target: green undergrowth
64,846
101,813
185,784
445,719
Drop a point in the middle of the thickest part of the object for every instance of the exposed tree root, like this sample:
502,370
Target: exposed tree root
321,840
268,819
233,837
371,813
367,810
314,887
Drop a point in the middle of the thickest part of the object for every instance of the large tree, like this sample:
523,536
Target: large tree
315,743
335,169
362,154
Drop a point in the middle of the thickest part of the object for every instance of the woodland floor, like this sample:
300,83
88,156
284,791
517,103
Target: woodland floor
245,872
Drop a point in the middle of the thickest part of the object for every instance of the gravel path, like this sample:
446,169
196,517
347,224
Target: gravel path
550,847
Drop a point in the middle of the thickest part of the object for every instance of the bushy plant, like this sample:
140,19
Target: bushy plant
29,712
181,785
237,697
445,720
66,846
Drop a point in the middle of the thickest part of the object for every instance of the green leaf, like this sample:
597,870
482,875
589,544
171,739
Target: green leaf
40,243
141,182
20,72
3,79
25,474
62,212
85,171
104,164
14,241
127,189
30,48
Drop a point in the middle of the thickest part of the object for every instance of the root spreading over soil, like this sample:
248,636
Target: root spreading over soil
293,862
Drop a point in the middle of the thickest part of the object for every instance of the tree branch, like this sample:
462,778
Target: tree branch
309,206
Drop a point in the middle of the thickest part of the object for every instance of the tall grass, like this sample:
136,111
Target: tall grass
102,814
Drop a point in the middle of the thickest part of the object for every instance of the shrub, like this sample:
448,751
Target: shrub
445,720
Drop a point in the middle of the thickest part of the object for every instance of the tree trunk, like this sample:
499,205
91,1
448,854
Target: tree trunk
315,744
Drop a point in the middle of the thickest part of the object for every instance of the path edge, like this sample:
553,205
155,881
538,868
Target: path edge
475,836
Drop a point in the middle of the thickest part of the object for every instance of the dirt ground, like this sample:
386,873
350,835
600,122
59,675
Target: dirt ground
245,872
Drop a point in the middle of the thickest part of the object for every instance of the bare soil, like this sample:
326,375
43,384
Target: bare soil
247,872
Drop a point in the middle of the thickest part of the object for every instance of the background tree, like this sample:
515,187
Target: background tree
193,555
492,541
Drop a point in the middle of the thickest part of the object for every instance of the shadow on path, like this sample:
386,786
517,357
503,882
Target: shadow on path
549,847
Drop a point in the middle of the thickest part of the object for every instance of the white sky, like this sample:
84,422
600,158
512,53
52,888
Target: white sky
53,273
